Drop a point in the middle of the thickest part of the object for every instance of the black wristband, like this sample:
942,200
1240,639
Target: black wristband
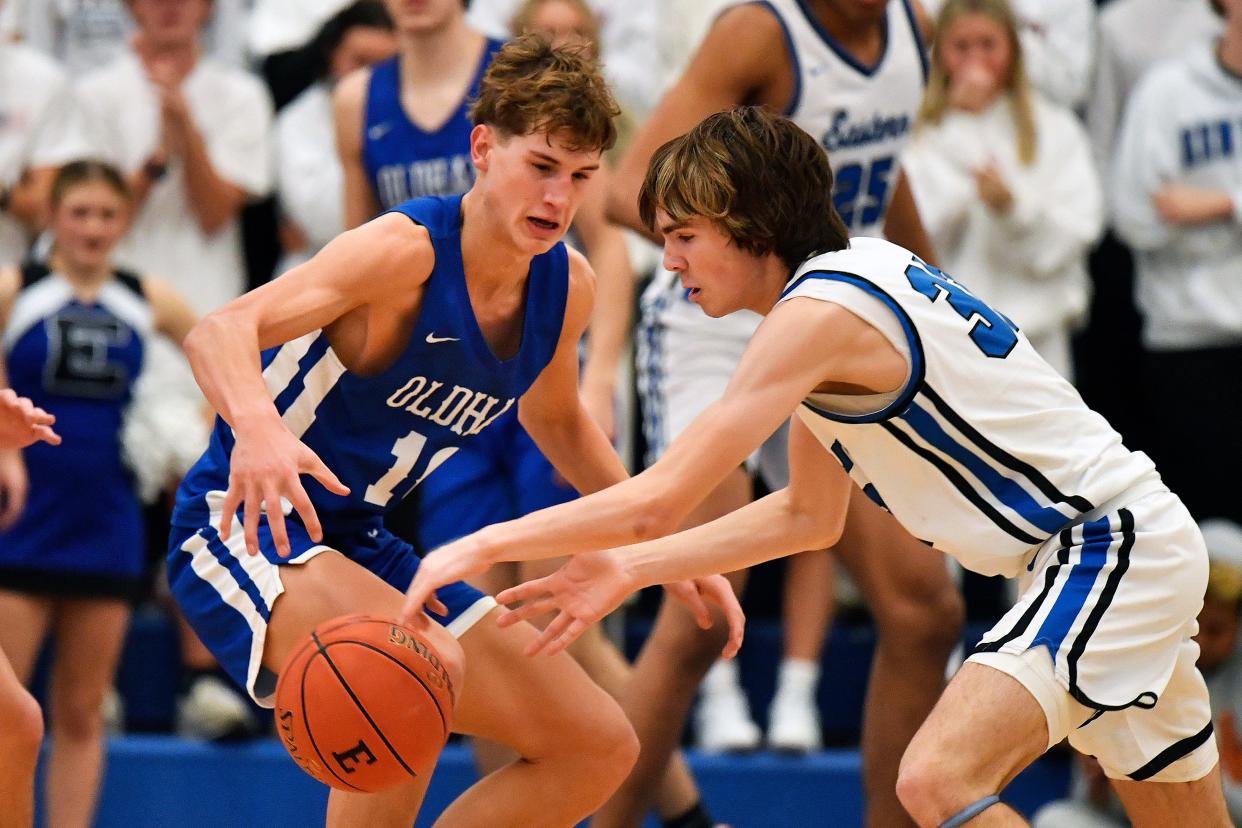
154,170
6,198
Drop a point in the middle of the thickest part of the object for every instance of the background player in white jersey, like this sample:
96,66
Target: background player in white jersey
851,73
21,424
906,383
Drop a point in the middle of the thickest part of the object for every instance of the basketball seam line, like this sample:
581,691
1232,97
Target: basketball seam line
306,719
416,677
361,709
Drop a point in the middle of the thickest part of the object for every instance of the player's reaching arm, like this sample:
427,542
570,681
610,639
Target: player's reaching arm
376,265
802,344
808,514
736,63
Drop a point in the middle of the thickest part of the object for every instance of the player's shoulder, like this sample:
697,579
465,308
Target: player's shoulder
352,89
864,255
10,284
1167,80
747,26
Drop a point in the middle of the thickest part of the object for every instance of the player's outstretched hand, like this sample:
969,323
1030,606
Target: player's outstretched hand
697,593
448,564
23,423
584,590
264,471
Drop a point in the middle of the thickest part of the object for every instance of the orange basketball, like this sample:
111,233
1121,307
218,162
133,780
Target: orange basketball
364,704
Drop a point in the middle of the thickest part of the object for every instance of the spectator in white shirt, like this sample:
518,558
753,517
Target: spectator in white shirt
193,136
39,131
1177,201
87,34
309,179
1004,178
1056,40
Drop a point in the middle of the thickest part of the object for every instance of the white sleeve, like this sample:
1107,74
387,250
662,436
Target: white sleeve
1146,157
240,144
1056,45
59,135
309,179
492,17
943,190
1106,97
1058,213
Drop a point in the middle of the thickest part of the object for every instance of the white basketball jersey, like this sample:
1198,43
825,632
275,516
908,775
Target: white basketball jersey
862,115
986,451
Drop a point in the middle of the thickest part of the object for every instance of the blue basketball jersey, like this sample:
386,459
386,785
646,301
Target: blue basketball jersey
404,161
382,434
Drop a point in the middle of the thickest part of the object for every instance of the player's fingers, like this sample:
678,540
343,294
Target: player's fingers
252,506
735,618
40,417
317,469
276,520
306,510
529,610
575,629
693,600
523,592
228,510
47,435
550,633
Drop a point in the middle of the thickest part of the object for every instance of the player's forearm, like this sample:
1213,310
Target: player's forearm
224,356
213,201
771,527
578,449
903,225
613,310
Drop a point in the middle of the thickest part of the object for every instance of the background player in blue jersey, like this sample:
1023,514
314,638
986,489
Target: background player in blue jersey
75,332
21,423
400,341
904,382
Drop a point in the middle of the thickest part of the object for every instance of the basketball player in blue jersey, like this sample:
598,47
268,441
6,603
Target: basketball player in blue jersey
403,131
22,423
393,347
903,382
850,72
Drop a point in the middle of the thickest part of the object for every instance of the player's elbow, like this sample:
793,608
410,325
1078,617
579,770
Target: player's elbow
654,517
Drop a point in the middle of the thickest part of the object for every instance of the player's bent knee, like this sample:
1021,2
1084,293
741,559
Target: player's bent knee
930,790
78,720
23,725
924,628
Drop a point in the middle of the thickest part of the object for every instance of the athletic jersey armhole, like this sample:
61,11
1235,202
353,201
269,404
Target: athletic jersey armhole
132,281
878,309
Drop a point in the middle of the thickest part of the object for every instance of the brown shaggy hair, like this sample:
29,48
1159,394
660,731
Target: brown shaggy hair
533,87
85,172
755,175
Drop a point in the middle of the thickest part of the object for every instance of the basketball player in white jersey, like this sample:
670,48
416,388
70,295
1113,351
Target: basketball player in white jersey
21,423
905,383
851,73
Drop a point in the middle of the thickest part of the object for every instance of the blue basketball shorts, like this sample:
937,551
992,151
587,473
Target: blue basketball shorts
227,594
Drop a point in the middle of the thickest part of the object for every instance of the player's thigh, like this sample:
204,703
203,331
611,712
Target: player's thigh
89,637
26,622
905,582
538,706
330,585
986,727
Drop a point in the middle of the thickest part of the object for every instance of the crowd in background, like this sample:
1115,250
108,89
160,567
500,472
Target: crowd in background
1088,183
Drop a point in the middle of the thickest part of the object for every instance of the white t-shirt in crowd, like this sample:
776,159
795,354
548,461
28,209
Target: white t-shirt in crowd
629,44
39,127
309,179
280,25
233,112
88,34
1133,36
1183,124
